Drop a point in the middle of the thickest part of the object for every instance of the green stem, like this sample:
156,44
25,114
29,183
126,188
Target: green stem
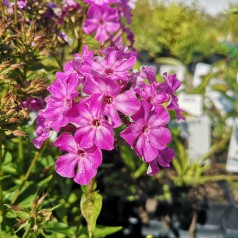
1,189
33,162
215,147
91,185
20,154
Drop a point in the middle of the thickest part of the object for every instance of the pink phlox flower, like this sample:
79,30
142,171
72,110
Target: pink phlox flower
124,7
82,63
79,163
99,2
93,128
42,130
111,98
123,52
69,73
60,102
169,86
21,4
149,73
163,159
111,67
146,73
103,20
150,94
148,134
70,5
34,104
130,3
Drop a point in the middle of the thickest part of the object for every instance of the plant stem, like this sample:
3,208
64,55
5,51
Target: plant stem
215,147
1,189
33,162
15,11
20,154
91,185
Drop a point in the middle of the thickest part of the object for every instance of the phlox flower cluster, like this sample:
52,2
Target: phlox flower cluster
96,94
108,20
105,18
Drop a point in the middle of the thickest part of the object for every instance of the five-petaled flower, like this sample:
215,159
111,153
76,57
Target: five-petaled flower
79,163
148,134
103,20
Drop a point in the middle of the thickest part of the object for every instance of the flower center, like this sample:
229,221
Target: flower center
96,122
67,102
149,99
81,152
101,22
108,99
145,129
109,71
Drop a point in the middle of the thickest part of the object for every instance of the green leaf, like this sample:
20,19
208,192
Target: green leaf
59,227
24,225
45,181
169,60
52,208
91,205
127,156
83,236
4,177
141,170
103,231
7,235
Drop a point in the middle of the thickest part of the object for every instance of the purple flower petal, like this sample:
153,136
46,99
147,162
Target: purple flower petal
65,165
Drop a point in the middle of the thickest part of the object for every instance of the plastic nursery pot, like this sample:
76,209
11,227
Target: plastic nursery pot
229,223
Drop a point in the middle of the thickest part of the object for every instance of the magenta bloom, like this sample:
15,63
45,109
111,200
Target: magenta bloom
150,94
163,159
34,104
147,134
125,9
60,102
69,5
86,160
82,63
111,99
112,67
99,2
42,130
93,129
102,20
169,86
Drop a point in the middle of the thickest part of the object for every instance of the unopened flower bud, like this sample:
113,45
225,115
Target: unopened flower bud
19,133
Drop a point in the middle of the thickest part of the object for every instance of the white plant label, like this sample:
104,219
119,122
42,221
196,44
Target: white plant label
199,136
191,103
232,158
173,69
201,69
222,103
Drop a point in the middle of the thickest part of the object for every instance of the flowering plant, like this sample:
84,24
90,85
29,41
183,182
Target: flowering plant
97,103
92,97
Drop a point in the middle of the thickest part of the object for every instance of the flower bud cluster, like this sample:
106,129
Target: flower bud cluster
96,94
